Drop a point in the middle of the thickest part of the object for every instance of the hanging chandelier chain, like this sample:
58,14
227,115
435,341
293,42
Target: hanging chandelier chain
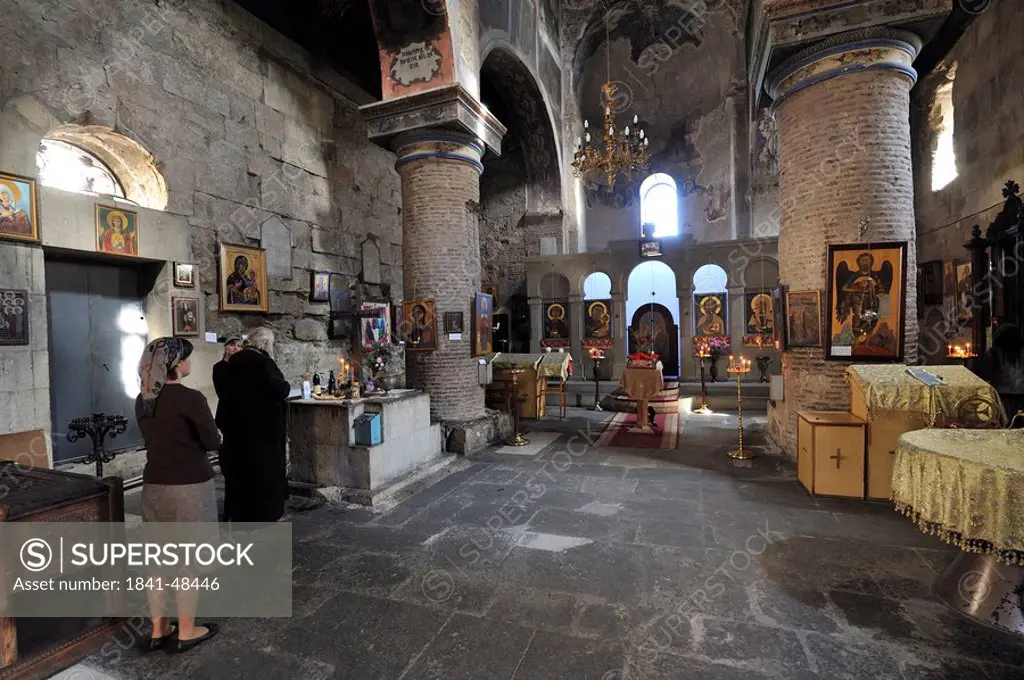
619,153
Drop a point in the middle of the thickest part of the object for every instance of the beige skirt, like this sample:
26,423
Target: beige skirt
179,502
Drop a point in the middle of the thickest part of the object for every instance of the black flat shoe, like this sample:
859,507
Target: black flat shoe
153,644
186,645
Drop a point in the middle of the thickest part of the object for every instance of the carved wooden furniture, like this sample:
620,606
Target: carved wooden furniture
830,453
997,293
531,390
34,648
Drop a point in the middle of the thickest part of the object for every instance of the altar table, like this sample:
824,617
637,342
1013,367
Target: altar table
967,488
641,383
893,402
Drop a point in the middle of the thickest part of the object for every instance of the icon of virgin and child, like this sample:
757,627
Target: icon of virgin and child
242,283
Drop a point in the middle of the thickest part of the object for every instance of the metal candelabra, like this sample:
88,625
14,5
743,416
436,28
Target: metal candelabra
703,408
597,388
740,368
97,426
518,439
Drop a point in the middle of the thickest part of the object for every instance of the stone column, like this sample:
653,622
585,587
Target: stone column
620,335
576,327
440,174
842,108
536,324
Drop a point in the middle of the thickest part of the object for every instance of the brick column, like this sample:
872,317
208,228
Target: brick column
842,108
440,172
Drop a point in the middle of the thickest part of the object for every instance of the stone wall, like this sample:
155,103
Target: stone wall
987,101
683,73
503,246
255,142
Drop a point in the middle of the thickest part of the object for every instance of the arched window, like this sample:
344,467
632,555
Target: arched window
68,167
660,205
943,155
710,278
597,286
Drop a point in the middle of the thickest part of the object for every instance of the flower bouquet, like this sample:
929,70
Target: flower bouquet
377,357
643,359
711,347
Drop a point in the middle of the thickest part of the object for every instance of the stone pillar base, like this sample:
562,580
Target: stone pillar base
469,436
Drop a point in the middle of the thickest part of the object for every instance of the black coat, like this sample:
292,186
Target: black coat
251,414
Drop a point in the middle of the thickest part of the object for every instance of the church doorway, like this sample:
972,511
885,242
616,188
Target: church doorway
652,325
652,305
97,332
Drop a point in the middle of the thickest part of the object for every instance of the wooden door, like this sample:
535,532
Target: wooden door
654,322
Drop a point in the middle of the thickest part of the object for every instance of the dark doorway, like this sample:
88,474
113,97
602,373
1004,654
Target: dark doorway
654,321
97,331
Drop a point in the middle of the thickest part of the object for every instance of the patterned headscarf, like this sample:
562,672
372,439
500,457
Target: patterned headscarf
158,359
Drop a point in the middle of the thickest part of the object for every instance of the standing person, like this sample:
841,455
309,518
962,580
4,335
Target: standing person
178,430
1003,367
232,345
254,429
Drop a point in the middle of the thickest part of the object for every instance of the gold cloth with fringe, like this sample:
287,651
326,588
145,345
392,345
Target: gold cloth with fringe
966,487
888,388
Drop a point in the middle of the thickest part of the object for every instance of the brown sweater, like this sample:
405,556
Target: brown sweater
177,437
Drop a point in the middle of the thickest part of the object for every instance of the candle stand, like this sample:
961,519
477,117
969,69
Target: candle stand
518,439
740,368
703,409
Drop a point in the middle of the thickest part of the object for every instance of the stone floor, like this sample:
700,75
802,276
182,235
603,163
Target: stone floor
604,564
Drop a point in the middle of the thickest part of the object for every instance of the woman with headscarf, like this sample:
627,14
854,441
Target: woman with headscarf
178,485
254,430
232,345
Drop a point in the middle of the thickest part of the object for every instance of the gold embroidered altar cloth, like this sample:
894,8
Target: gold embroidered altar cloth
888,388
965,486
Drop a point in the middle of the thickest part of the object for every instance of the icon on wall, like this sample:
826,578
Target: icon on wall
19,208
117,231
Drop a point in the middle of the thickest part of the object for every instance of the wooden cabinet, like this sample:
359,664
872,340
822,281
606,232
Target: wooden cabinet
883,431
831,453
33,648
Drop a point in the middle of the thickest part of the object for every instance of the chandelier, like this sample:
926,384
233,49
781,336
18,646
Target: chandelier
619,153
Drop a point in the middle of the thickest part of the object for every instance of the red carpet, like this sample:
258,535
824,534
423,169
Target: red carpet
617,432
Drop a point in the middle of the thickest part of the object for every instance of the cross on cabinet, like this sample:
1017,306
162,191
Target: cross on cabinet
830,453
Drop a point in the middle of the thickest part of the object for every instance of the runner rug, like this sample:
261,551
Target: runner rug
617,432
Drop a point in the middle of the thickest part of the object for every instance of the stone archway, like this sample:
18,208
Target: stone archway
505,76
135,167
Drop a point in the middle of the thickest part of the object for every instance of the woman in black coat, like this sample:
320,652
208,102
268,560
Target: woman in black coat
232,345
253,417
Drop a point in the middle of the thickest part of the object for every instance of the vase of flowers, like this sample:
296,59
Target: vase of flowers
711,347
378,358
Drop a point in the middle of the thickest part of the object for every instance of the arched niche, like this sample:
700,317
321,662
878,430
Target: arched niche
554,287
761,273
134,167
597,286
710,278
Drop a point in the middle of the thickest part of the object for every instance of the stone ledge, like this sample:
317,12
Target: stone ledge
390,495
467,437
